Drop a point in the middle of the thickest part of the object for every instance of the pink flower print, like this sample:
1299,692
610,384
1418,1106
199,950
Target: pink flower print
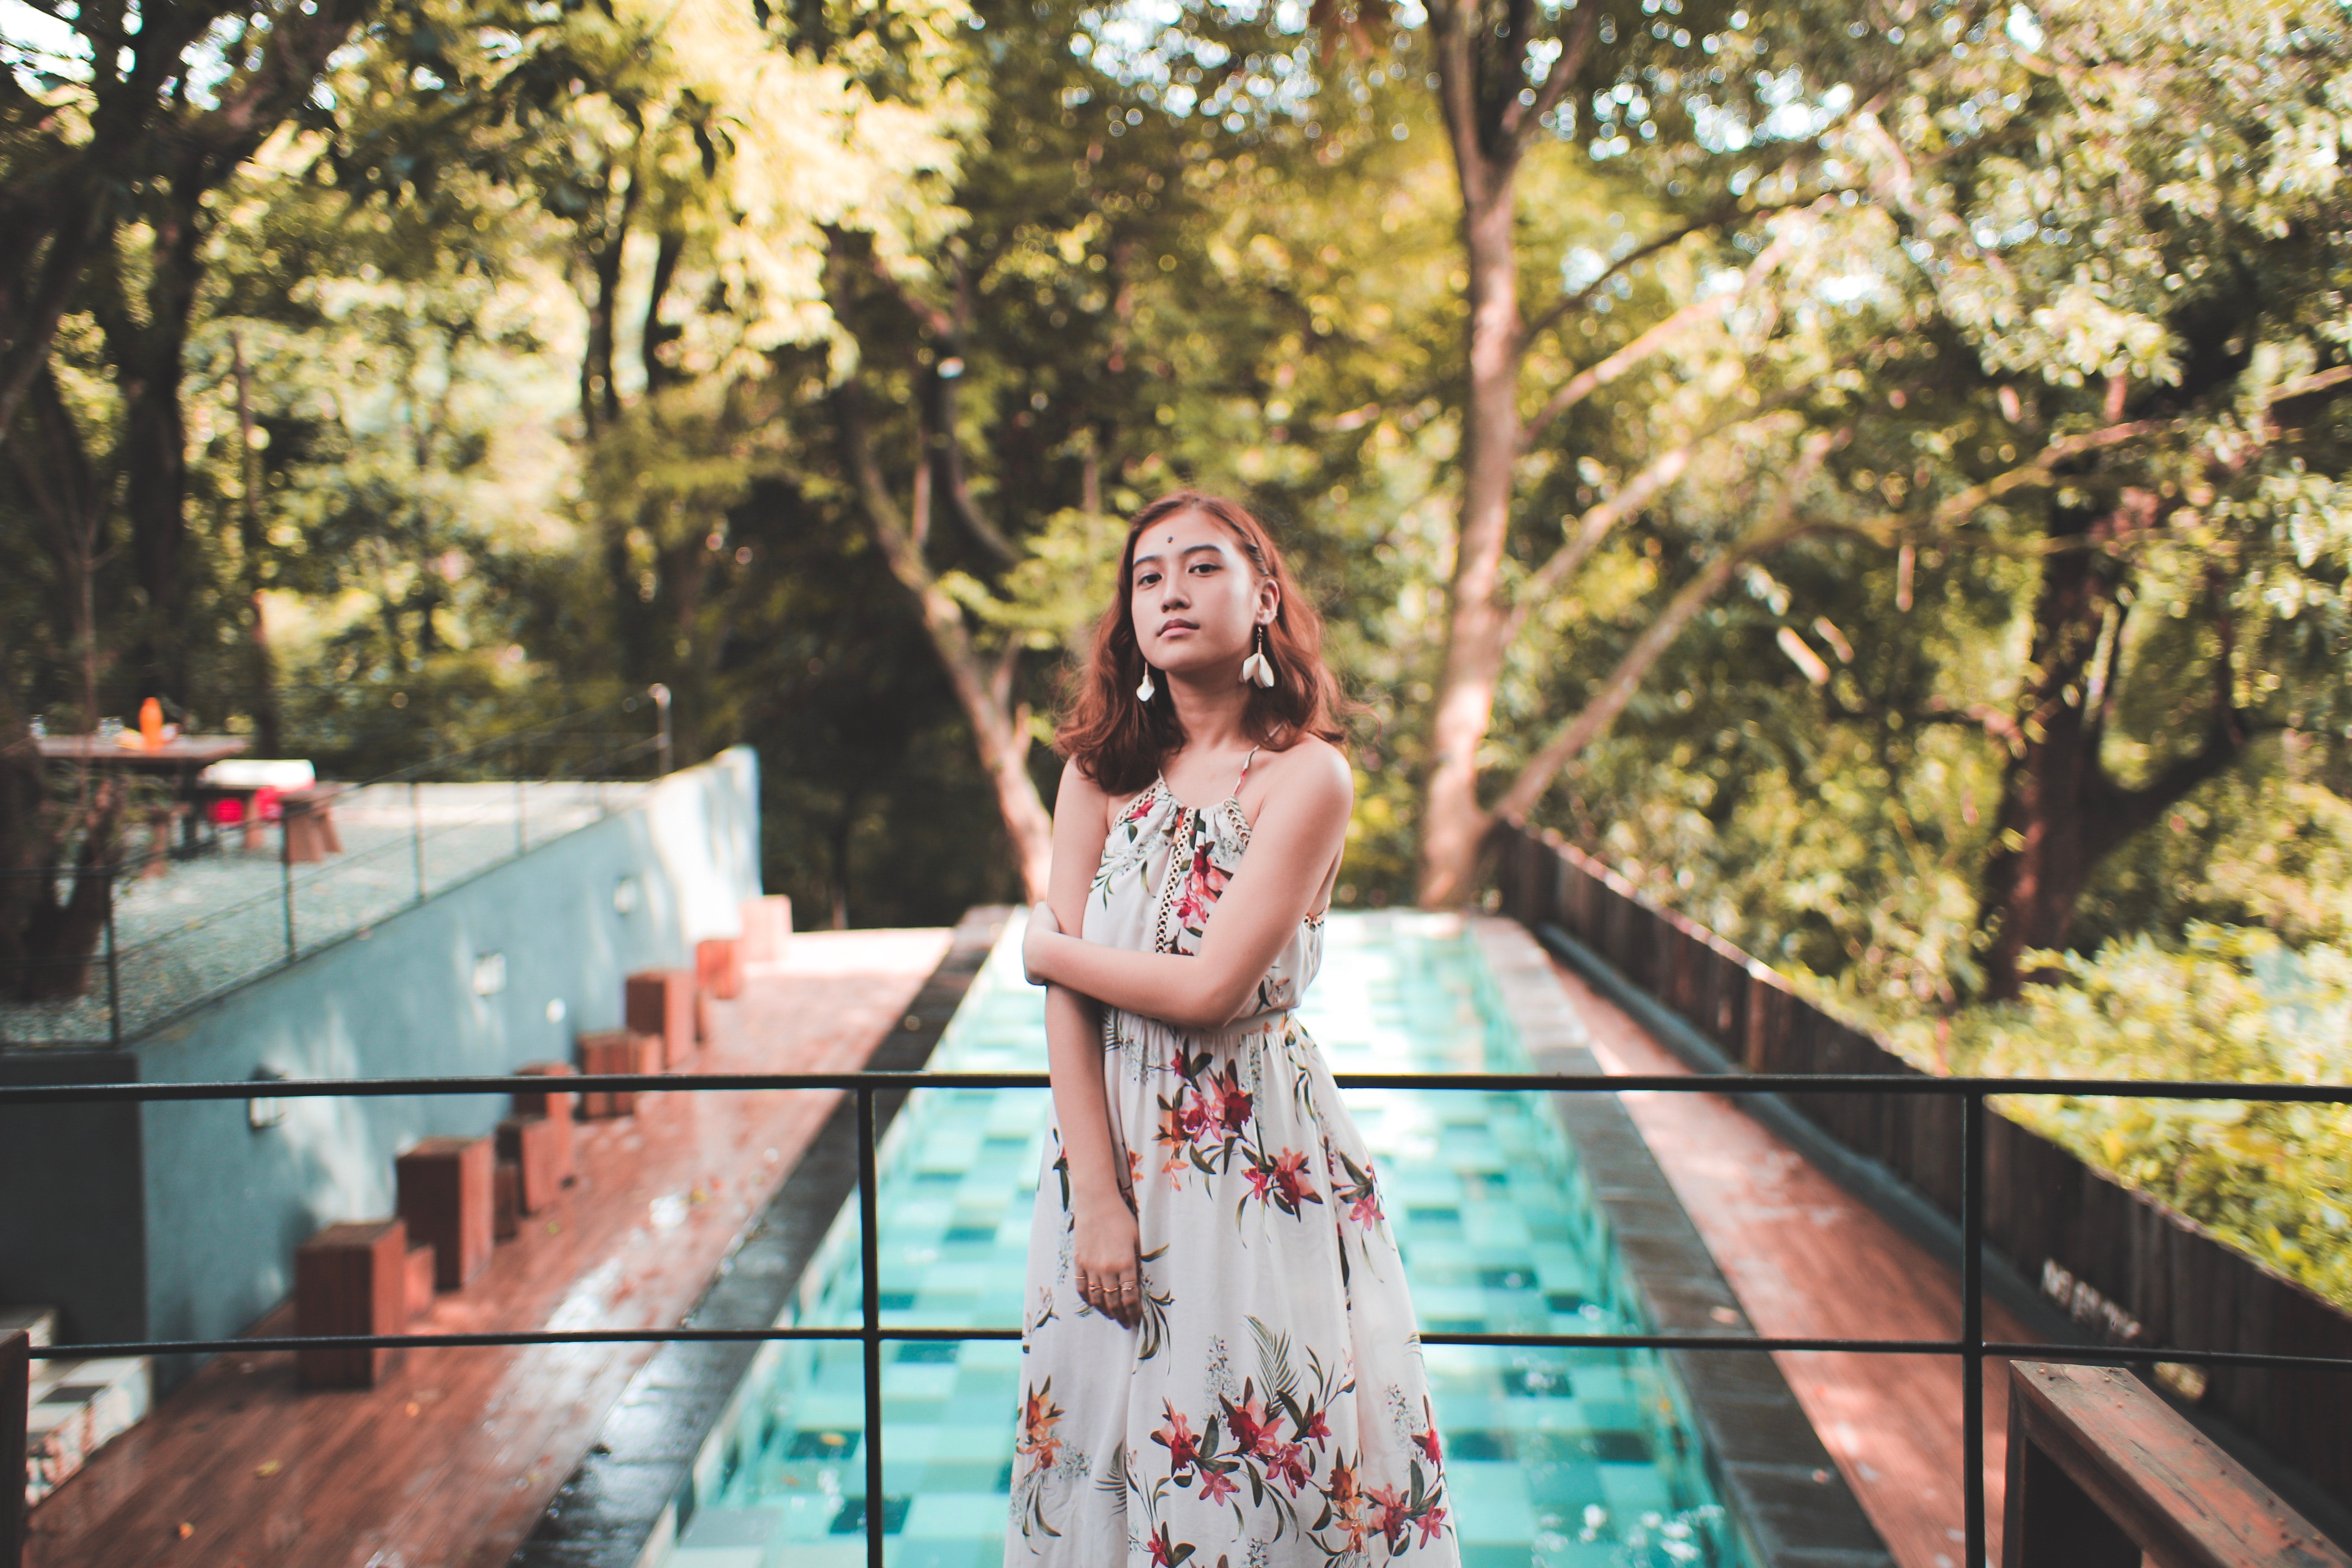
1216,1486
1432,1446
1287,1465
1290,1179
1315,1430
1140,809
1176,1437
1261,1180
1195,1120
1253,1432
1395,1513
1431,1523
1230,1101
1200,889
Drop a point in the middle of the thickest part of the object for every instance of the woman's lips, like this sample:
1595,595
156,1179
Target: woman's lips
1172,627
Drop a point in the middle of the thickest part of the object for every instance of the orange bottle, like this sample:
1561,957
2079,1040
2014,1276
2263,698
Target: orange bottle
150,724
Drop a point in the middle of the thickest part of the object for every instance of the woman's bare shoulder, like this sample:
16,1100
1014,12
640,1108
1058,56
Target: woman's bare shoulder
1081,796
1313,774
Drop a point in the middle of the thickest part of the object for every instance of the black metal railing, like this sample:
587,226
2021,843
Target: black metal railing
1971,1348
598,754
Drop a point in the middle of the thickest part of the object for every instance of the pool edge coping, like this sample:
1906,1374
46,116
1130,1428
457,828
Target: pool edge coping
1762,1451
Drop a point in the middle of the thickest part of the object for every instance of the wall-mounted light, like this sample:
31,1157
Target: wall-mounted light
489,973
262,1114
556,1010
624,895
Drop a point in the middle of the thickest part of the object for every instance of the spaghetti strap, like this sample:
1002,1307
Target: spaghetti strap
1246,767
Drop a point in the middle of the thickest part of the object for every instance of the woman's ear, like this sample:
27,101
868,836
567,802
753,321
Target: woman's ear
1269,601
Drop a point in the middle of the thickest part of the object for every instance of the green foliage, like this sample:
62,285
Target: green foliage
2230,1003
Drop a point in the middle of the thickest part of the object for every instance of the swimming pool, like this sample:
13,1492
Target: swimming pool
1564,1459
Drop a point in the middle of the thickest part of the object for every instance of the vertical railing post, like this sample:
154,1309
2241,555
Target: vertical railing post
1972,1192
113,982
15,1390
416,834
660,695
869,1257
286,881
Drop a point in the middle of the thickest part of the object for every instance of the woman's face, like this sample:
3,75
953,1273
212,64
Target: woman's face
1195,599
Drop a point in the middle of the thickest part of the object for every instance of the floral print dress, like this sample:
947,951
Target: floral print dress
1271,1408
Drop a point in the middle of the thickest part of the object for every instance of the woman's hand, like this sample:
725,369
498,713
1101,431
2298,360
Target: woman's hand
1103,1256
1042,924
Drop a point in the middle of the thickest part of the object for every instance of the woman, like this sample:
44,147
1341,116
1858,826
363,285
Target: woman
1219,1360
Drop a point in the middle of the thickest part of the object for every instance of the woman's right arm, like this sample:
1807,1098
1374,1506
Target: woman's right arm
1105,1242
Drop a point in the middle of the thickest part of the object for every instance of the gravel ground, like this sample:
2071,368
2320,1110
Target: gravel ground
210,923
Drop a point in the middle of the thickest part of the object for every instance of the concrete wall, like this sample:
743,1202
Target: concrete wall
225,1204
73,1225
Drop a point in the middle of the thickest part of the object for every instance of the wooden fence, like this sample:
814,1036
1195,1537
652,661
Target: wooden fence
2116,1260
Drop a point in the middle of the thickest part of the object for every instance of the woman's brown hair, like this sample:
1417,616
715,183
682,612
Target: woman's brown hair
1118,741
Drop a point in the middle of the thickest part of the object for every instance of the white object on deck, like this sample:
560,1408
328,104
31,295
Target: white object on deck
77,1406
39,1322
259,772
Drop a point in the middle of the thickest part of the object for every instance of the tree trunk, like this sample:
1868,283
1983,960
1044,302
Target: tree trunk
2061,813
47,943
1454,825
149,355
253,541
999,733
600,391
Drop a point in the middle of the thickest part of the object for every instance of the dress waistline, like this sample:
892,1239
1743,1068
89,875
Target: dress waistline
1120,1027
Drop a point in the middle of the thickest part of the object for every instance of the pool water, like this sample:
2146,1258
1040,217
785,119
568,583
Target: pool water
1565,1458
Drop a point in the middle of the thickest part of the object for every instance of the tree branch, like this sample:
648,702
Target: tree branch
1594,525
1520,119
1618,688
1697,314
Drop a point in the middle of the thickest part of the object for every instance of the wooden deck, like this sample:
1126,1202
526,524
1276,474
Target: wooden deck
1805,1259
450,1461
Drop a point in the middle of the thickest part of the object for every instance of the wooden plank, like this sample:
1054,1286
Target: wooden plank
2182,1499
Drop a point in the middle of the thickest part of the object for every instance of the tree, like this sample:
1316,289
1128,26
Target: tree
2184,393
108,167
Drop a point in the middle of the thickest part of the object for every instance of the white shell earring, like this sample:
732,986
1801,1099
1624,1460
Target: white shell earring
1144,689
1257,667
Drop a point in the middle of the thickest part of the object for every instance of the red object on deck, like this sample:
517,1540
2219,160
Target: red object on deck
615,1051
351,1279
555,1105
767,928
719,967
660,1002
420,1281
506,1201
445,1196
529,1143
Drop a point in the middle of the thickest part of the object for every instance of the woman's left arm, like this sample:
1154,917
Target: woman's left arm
1295,840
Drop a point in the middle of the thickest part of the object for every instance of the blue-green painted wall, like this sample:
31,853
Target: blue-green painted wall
225,1205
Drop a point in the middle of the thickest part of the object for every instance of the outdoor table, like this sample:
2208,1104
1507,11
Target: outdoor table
181,758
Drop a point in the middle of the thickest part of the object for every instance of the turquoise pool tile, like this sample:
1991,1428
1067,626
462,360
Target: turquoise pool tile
1480,1189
